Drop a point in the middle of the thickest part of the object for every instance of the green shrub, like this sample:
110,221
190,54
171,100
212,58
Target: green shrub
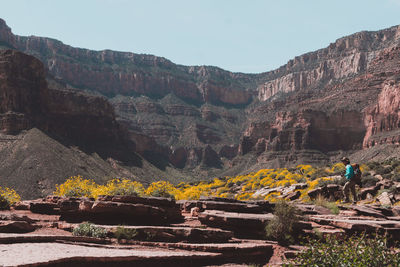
353,251
373,165
321,201
333,207
396,177
125,233
387,176
89,229
369,180
280,228
121,191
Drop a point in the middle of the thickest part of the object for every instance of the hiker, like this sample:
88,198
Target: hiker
351,183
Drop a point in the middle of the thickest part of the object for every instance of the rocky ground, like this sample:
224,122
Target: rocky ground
205,232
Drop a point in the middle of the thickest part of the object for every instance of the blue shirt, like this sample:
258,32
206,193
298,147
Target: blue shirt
349,172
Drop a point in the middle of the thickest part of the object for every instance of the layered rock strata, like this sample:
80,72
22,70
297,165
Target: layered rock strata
339,98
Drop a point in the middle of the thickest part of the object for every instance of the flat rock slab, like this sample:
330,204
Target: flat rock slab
176,234
367,211
243,247
108,212
242,224
359,224
229,206
16,227
11,238
45,254
27,215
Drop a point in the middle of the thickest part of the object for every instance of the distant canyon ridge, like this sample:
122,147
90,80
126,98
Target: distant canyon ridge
133,115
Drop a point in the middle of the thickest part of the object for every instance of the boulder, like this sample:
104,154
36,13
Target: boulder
44,207
266,190
367,190
331,191
334,192
292,195
315,192
384,184
385,198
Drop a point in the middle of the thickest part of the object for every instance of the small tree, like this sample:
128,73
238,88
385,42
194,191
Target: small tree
281,227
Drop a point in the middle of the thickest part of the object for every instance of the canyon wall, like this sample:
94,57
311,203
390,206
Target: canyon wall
343,97
344,58
73,117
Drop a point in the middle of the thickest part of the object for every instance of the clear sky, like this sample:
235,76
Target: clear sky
237,35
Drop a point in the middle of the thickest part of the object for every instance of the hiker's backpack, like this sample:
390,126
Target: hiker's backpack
357,174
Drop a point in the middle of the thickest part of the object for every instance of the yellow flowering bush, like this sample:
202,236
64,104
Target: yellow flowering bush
161,189
241,187
76,186
8,197
244,196
119,187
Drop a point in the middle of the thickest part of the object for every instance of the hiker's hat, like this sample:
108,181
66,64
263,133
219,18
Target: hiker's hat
345,159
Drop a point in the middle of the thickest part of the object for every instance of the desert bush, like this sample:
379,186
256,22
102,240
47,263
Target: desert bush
393,161
8,197
123,187
88,229
125,233
382,170
76,186
369,180
353,251
396,177
280,228
332,206
161,189
373,165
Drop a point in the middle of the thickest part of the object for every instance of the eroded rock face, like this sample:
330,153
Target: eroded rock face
6,36
308,129
343,97
23,90
120,210
27,102
382,120
346,57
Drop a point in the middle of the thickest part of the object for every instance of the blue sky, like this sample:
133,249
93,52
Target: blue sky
238,35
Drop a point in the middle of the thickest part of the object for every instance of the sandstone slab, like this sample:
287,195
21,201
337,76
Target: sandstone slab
16,227
242,224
